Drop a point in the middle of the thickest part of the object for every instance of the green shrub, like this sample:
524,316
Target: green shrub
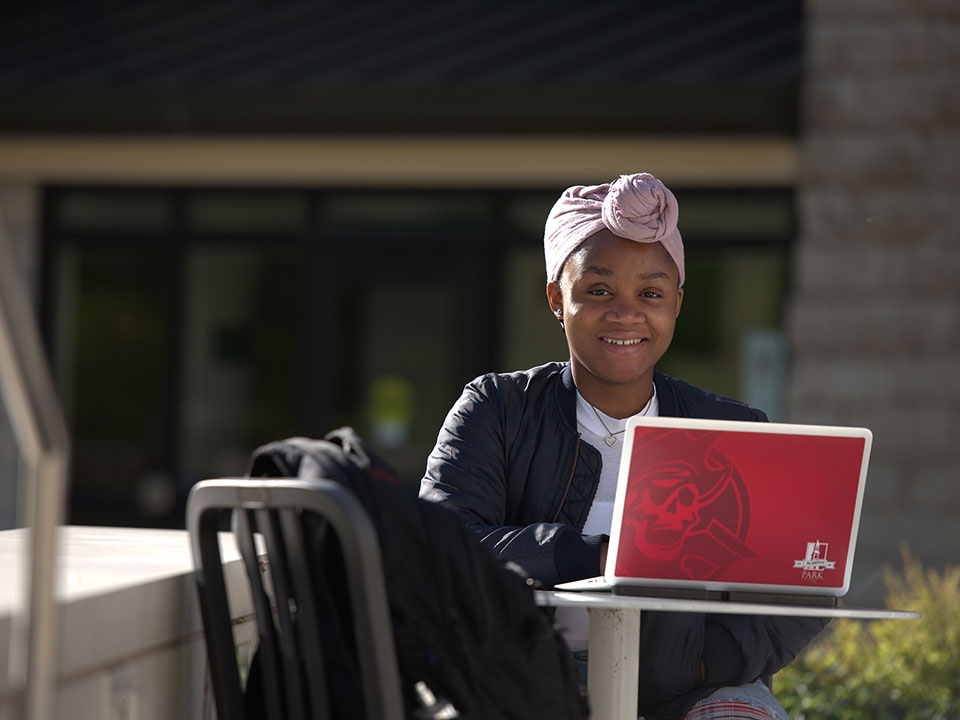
897,669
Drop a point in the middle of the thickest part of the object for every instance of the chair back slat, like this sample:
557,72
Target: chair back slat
292,530
268,650
215,615
368,589
286,610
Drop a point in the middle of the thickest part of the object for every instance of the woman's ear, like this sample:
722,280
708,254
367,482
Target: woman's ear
554,296
679,303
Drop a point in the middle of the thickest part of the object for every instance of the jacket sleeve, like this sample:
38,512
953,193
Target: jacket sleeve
469,472
766,644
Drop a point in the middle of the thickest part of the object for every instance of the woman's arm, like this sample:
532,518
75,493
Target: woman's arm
469,472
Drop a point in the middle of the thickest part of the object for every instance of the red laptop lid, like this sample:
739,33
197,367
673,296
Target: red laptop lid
732,505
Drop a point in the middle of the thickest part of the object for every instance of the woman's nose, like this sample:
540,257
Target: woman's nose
625,310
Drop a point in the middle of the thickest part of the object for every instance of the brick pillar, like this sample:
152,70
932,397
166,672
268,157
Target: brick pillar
874,320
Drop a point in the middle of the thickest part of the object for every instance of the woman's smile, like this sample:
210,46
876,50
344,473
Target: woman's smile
623,342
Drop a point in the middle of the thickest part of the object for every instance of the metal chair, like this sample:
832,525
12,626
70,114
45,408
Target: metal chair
291,651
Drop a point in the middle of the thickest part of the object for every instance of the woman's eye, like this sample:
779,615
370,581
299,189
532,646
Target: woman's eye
650,294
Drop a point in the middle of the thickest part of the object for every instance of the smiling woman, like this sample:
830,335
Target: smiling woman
530,459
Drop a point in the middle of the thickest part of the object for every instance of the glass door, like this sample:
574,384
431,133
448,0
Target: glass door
188,327
403,334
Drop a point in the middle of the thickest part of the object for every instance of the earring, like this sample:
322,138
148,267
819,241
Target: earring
559,314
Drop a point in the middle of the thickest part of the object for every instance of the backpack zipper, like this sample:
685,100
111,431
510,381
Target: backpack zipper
576,456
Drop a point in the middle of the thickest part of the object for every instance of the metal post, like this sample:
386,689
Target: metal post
614,662
40,431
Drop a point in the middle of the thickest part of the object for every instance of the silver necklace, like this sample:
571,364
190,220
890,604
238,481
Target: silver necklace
611,438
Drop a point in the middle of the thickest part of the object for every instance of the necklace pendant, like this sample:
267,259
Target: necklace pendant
611,440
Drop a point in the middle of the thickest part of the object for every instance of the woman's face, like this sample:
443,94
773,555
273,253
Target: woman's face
620,300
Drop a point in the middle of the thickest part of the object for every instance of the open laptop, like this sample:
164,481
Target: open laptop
735,510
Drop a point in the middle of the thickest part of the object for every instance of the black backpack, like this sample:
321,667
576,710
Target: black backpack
464,623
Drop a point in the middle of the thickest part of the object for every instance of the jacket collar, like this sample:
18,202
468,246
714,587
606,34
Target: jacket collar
666,395
567,396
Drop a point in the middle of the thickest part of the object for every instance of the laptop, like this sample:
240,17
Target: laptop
719,509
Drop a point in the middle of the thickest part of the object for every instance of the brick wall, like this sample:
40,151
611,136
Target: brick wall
874,323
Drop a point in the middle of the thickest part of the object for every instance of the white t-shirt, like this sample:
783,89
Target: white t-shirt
575,622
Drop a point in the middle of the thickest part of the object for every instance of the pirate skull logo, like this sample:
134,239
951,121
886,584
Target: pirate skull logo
683,508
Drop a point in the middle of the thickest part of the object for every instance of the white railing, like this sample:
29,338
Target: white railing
41,435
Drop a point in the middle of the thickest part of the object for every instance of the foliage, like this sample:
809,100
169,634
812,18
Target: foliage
896,669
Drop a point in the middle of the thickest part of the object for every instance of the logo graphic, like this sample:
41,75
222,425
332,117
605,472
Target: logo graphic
692,514
816,558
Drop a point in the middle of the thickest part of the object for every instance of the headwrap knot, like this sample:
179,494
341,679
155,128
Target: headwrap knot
636,207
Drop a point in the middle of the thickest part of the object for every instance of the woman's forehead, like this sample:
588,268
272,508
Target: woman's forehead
606,254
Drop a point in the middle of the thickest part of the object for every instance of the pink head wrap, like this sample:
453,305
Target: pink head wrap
636,207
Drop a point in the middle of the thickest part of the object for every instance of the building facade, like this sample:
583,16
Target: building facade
238,228
874,319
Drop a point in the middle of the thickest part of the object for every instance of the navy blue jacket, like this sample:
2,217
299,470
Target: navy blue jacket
510,461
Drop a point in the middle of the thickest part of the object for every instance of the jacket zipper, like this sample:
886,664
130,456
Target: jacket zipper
576,456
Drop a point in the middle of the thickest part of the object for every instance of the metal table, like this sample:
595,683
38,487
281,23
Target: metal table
614,644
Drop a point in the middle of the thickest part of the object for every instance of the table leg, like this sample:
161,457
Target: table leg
614,667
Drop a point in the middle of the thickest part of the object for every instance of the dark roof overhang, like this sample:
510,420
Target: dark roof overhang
688,66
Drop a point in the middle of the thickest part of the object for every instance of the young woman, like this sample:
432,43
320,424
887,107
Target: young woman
529,459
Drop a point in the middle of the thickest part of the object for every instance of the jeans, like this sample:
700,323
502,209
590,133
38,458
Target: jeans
752,701
745,702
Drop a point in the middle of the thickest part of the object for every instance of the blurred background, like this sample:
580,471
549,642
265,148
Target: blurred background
245,221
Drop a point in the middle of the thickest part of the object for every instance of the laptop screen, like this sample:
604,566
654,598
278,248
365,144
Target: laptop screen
730,505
